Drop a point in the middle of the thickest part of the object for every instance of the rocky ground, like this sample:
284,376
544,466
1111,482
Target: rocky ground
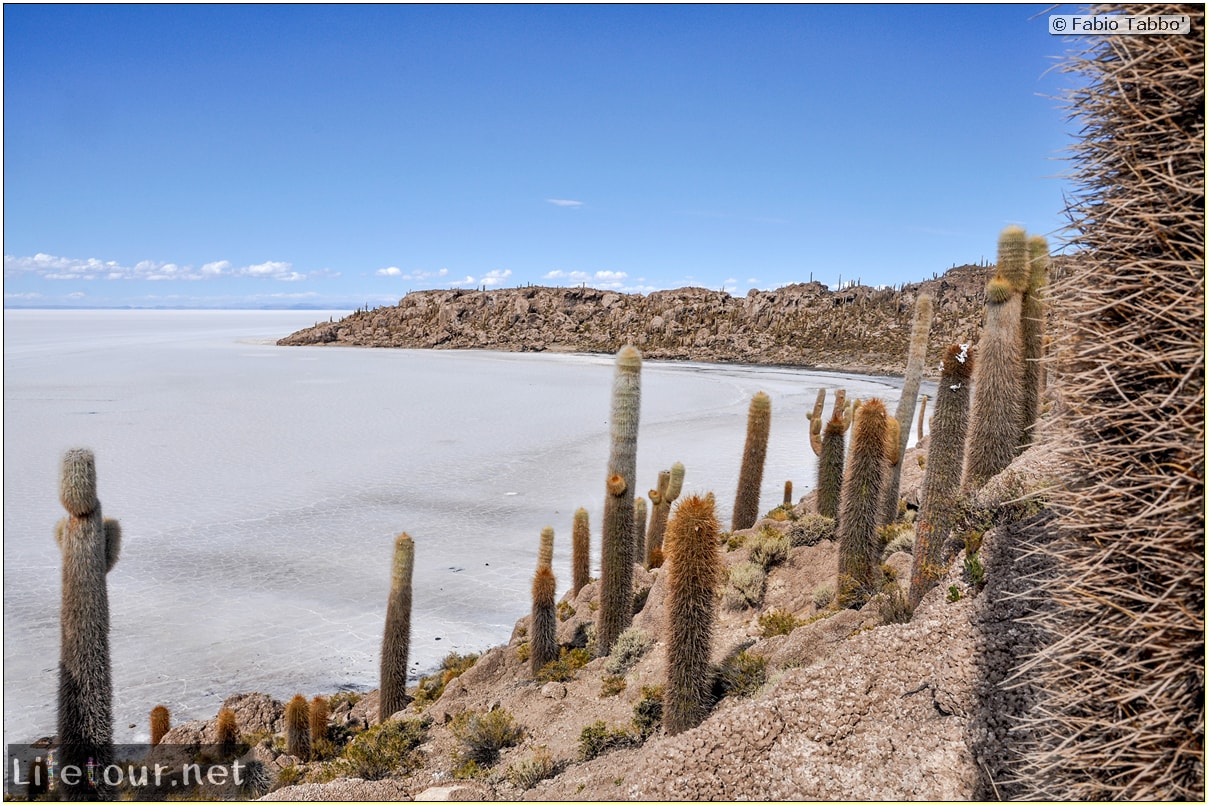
854,329
848,707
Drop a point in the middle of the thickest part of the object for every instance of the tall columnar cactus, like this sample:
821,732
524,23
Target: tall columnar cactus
906,401
1032,336
995,414
666,491
319,715
90,545
617,539
787,501
396,638
751,472
830,450
226,731
942,479
639,528
581,546
859,544
545,552
543,641
923,410
298,728
694,570
161,723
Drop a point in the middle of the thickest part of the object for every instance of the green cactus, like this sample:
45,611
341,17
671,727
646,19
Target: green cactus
942,479
639,528
545,553
666,492
751,472
543,642
298,727
831,460
994,434
1032,337
905,411
319,715
617,538
396,638
694,571
161,723
581,543
90,545
227,733
860,547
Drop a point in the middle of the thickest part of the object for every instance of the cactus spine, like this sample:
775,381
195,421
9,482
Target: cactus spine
161,723
1032,336
667,491
831,458
942,479
90,545
905,411
298,728
617,539
995,414
751,473
694,569
319,713
543,643
396,637
227,733
545,553
581,544
859,544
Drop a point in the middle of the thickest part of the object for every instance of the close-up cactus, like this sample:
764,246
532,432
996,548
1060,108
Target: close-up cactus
694,570
298,728
617,538
396,638
905,411
581,546
543,644
942,478
89,545
860,547
751,471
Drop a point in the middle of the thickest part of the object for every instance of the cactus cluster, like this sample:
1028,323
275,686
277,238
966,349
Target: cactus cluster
667,490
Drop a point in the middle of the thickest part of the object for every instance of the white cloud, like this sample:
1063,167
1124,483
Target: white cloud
76,295
51,267
26,295
468,281
217,267
565,202
389,271
496,276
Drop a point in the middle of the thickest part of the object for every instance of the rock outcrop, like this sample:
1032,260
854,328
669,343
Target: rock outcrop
857,328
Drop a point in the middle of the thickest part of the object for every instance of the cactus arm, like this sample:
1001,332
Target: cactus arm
113,543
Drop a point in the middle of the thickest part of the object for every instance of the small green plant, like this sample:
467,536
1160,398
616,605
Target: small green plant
565,610
777,622
288,776
598,738
892,605
975,571
432,686
562,670
648,713
769,548
822,595
528,772
742,674
631,645
733,541
746,585
811,530
483,735
383,750
954,593
902,542
611,685
522,651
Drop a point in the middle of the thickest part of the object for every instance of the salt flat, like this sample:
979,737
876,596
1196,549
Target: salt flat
260,488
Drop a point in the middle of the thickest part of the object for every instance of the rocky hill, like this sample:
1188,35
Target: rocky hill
857,328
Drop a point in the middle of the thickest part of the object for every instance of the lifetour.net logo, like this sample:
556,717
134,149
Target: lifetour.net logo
141,770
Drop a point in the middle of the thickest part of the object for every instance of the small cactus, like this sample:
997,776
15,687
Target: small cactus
639,528
788,500
580,551
860,547
905,411
161,723
942,478
694,571
666,491
543,643
227,733
751,472
923,408
1032,337
617,538
396,638
298,728
545,553
831,460
319,714
90,545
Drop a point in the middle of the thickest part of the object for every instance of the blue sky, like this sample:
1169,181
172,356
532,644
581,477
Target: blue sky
239,156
